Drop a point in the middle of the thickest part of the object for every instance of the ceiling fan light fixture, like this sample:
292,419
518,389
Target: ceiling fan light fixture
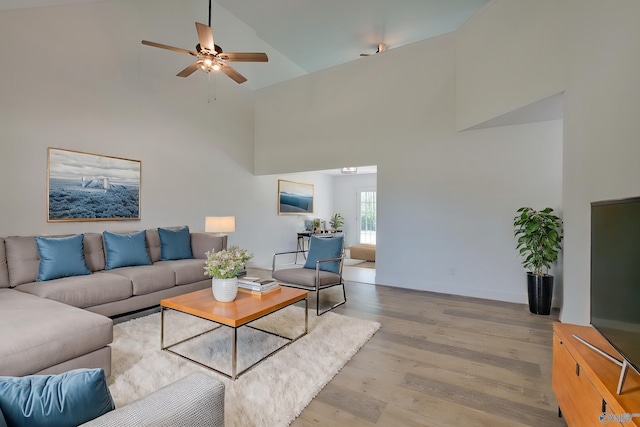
209,65
349,170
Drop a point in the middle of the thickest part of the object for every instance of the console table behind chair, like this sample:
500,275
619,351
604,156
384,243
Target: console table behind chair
300,246
317,278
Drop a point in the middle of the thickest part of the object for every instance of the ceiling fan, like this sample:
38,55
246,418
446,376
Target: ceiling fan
210,56
381,48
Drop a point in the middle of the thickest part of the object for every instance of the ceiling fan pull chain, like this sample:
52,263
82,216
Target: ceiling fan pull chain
215,97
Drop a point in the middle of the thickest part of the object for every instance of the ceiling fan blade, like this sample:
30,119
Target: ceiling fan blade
244,56
189,70
205,36
231,72
164,46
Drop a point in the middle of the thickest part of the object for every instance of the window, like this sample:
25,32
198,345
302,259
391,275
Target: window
367,216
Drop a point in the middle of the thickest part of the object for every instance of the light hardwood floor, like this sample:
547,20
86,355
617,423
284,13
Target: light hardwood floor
441,360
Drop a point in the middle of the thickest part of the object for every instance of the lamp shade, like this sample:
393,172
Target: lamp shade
220,224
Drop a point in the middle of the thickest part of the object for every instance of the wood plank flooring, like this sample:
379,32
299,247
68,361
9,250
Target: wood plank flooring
440,361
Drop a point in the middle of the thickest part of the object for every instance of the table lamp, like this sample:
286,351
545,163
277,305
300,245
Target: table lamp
220,224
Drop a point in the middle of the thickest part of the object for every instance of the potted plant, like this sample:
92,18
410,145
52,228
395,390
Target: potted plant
539,235
316,225
336,222
223,267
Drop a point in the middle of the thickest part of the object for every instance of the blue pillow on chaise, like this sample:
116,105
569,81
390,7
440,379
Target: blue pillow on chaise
64,400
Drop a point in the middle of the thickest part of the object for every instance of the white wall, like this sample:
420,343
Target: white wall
446,211
446,200
601,148
260,228
345,201
508,56
77,77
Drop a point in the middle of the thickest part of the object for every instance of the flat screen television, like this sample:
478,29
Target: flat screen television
615,275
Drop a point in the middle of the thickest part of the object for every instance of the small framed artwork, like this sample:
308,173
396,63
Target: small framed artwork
294,198
91,187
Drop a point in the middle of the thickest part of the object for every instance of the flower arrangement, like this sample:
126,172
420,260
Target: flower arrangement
226,264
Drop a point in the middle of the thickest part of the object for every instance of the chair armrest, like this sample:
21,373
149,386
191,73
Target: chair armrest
196,400
273,263
340,260
330,260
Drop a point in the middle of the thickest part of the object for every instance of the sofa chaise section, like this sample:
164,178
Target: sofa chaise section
44,336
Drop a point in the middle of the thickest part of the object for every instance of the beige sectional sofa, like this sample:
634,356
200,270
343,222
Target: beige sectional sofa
56,325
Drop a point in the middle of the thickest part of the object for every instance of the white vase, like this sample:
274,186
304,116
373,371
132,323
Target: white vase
224,290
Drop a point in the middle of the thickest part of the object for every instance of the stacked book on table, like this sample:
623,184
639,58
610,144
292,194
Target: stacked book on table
257,286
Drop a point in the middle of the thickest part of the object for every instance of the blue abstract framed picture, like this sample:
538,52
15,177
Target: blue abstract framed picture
91,187
294,198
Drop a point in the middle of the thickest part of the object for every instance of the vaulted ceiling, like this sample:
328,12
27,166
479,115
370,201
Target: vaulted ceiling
315,35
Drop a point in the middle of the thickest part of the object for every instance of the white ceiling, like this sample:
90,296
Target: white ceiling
319,34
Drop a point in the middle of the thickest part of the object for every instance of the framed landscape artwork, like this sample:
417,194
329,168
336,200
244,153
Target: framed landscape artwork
294,198
91,187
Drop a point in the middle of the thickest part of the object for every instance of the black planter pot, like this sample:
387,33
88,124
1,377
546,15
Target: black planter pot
540,290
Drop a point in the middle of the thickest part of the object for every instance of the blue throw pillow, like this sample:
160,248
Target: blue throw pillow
175,244
124,250
61,257
69,399
324,248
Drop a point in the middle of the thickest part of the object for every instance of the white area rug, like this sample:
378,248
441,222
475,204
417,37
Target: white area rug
349,261
273,393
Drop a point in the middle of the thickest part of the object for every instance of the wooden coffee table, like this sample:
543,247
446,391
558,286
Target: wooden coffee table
246,308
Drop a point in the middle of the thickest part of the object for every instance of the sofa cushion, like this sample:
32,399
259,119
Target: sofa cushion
153,244
42,333
175,244
4,276
68,399
202,243
82,291
61,257
146,279
186,270
305,277
324,248
94,251
22,259
123,250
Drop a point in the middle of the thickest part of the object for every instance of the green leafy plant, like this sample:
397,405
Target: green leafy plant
226,264
539,235
336,221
